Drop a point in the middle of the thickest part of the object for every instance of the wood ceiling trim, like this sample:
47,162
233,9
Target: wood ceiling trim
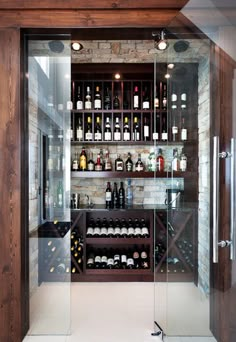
90,4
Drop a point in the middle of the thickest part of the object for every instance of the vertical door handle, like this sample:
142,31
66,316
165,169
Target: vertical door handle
215,198
232,201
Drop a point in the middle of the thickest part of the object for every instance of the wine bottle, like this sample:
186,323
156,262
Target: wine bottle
121,195
110,229
119,164
136,257
107,164
107,130
175,161
90,229
97,228
104,258
88,103
88,131
98,259
90,260
160,161
137,229
130,228
117,130
136,130
108,196
110,259
98,164
129,194
164,97
174,115
91,165
116,102
117,230
183,130
156,133
83,160
164,133
123,259
146,99
183,161
124,229
129,163
104,231
146,129
97,99
144,229
79,103
183,98
97,130
139,164
156,100
117,260
107,100
136,98
79,130
126,130
130,260
115,196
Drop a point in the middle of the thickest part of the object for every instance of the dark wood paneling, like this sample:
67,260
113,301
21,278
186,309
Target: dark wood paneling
72,4
10,188
87,18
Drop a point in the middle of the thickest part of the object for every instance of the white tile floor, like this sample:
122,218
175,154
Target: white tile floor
115,312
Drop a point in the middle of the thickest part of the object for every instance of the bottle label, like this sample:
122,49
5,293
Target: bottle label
136,101
97,231
116,257
139,167
136,255
98,167
69,105
90,231
164,103
107,136
103,231
108,196
104,259
146,105
117,231
183,164
124,231
129,166
88,136
123,258
97,104
164,136
155,136
98,136
156,102
110,231
119,166
174,130
137,231
126,136
90,166
175,164
88,105
145,231
173,97
144,255
110,262
98,258
82,162
183,134
79,134
130,261
183,96
117,136
90,261
136,136
146,131
79,105
130,231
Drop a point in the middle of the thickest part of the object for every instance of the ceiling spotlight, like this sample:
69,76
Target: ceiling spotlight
117,76
170,66
160,41
76,46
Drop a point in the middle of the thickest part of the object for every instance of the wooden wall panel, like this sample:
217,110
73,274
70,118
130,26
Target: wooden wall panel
10,200
87,18
103,4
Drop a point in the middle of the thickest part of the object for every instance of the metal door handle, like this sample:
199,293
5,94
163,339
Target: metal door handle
215,198
232,201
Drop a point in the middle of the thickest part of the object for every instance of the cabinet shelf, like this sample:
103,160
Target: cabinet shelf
124,174
136,143
118,241
118,271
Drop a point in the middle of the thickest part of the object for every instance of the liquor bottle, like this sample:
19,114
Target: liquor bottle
97,130
90,260
119,164
98,259
104,258
144,258
130,260
156,133
123,259
97,99
164,97
107,100
130,228
115,197
136,257
146,129
107,164
144,229
124,229
136,130
104,231
60,195
136,98
108,196
107,130
156,100
160,161
139,164
83,160
129,194
88,103
116,102
79,103
117,260
91,165
88,130
79,130
126,101
184,132
129,163
152,160
121,195
110,229
117,230
183,161
164,133
126,130
175,161
146,99
98,164
117,130
110,259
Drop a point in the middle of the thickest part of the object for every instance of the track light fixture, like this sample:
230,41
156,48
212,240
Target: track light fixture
77,46
160,43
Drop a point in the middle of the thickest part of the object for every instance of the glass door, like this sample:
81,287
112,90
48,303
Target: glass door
47,99
195,231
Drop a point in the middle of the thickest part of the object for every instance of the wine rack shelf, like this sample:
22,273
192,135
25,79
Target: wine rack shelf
118,241
123,174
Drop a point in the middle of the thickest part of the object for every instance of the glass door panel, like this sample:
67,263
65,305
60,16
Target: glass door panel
47,92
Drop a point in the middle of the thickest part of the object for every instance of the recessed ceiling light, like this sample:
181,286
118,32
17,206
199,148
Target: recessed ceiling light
76,46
